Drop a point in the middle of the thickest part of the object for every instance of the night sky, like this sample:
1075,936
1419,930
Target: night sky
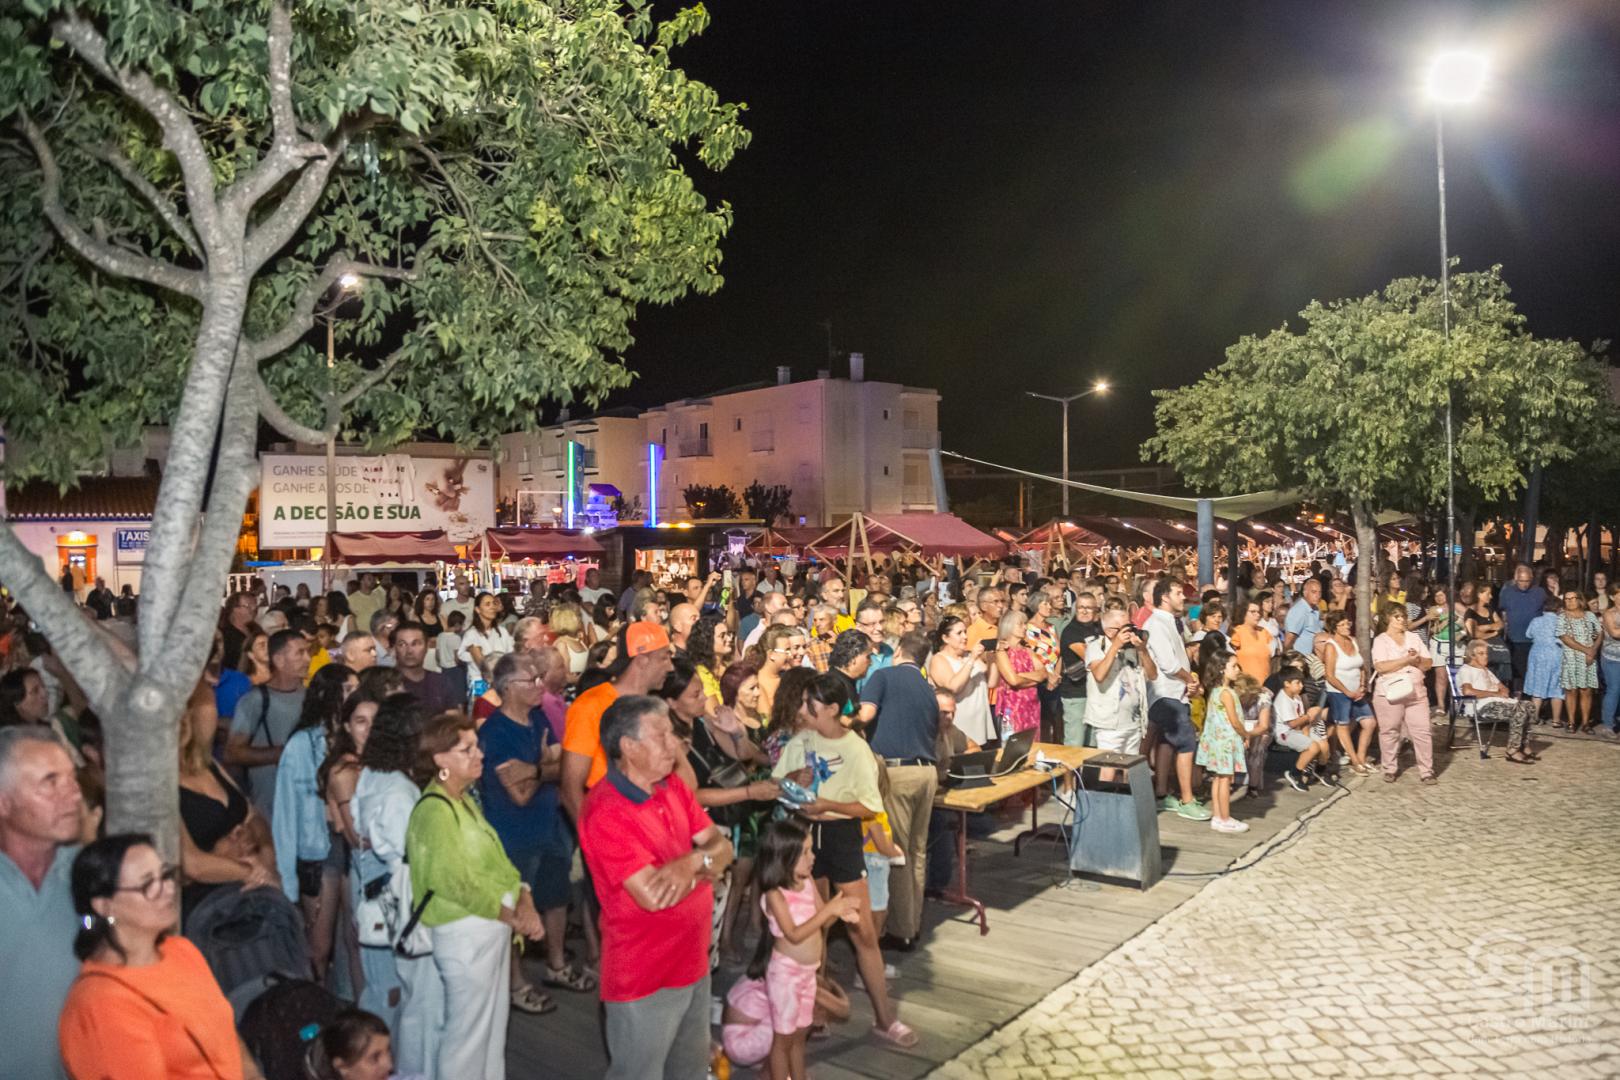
994,197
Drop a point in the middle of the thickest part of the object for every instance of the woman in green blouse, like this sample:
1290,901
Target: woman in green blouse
477,900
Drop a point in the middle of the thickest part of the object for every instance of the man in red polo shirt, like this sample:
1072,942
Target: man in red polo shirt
653,855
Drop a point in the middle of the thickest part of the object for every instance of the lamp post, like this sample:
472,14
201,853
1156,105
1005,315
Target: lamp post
1455,77
1099,387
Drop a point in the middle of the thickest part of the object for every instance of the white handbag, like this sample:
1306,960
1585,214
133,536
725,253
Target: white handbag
1396,687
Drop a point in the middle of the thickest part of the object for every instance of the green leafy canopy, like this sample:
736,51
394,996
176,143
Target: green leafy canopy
521,167
1350,407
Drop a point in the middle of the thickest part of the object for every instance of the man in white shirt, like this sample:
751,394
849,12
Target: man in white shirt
463,602
1117,670
774,602
367,601
593,591
1169,713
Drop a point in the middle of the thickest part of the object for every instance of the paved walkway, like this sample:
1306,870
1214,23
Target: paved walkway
1461,930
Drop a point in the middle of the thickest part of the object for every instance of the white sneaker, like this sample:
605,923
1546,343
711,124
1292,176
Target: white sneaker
1231,825
890,971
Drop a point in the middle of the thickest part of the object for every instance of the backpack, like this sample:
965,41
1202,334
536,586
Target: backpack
280,1024
246,936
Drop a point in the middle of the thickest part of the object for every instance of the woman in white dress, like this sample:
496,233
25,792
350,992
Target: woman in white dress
484,639
384,796
963,673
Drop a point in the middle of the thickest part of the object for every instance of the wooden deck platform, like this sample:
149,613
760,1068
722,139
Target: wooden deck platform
958,986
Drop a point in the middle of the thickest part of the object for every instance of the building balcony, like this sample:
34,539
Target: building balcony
689,448
919,440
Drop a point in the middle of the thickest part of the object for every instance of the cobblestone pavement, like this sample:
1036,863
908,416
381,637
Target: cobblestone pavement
1463,929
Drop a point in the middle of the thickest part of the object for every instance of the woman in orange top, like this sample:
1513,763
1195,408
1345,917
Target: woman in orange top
1251,642
145,1004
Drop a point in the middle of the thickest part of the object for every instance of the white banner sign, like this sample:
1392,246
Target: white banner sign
392,493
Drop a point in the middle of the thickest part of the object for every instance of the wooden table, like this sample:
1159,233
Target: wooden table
977,800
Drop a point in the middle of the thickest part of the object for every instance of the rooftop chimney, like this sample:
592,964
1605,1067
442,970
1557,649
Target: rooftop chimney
857,367
784,375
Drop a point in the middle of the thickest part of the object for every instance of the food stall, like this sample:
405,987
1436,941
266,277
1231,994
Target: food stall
514,557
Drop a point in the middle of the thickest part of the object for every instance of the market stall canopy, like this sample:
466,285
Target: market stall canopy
922,534
784,539
391,548
540,544
1060,534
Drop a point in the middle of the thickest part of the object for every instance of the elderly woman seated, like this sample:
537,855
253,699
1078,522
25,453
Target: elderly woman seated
1483,692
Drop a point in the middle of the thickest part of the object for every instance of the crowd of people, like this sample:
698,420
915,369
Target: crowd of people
467,804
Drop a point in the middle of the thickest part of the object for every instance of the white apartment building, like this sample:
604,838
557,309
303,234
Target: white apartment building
533,469
840,444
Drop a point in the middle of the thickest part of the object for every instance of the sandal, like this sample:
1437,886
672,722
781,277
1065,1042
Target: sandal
897,1034
1517,757
527,999
570,977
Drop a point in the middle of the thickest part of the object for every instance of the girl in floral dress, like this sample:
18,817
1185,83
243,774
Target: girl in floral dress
1220,748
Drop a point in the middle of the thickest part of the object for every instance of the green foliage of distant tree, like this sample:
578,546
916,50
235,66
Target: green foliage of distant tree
770,503
184,186
1349,408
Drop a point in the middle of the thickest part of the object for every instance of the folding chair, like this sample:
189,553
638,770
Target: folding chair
1457,703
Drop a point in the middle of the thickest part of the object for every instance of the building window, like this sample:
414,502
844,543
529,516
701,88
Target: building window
737,424
703,431
885,470
885,414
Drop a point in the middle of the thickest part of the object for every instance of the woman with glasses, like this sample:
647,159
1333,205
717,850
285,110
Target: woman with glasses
479,900
145,1003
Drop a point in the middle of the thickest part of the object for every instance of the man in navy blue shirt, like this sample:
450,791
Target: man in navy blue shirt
521,801
1520,601
904,734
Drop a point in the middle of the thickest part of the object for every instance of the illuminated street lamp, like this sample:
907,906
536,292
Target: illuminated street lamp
1455,77
347,284
1098,387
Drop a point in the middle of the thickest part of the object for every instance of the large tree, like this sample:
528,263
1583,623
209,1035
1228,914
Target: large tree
184,184
1349,408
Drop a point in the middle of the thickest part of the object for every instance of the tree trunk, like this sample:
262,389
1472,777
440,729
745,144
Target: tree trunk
1594,548
143,767
140,696
1465,528
1366,572
1532,511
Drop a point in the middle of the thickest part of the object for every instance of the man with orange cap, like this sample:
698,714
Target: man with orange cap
645,658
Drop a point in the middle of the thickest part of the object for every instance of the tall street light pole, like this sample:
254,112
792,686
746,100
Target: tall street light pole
1455,77
1100,387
